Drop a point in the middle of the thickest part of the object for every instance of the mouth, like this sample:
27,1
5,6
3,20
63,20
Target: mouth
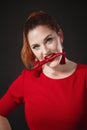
48,58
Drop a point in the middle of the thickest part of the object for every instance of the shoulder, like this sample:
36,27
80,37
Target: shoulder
82,68
30,73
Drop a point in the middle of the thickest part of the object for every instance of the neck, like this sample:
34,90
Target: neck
60,70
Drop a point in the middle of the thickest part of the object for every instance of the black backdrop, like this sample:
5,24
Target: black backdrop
71,16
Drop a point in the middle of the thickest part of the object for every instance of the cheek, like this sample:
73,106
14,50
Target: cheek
38,55
54,46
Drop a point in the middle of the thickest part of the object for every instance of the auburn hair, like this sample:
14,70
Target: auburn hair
35,19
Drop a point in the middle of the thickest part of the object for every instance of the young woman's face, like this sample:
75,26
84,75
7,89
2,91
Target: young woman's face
44,42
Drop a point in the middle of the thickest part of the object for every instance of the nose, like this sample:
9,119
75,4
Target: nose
45,50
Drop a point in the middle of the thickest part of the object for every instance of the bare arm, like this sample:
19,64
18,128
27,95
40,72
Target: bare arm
4,124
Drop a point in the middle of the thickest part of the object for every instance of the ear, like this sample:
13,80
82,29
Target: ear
60,34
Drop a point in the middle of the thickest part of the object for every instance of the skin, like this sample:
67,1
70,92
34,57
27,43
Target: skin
4,124
44,42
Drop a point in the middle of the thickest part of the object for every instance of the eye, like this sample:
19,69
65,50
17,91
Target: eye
49,40
36,47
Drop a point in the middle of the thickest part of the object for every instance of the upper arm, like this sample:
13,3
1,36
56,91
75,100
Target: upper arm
13,97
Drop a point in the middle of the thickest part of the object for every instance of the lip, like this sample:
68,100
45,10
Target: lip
52,56
49,56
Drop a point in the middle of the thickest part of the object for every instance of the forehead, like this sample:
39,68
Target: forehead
39,33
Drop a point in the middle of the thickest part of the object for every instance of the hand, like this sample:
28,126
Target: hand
4,124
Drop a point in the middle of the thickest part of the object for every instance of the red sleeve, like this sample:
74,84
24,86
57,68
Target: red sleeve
13,97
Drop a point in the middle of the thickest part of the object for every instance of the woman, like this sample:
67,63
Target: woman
54,90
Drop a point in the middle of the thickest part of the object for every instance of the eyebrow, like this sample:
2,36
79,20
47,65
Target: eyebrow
43,40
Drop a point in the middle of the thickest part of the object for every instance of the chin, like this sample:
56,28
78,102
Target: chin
54,63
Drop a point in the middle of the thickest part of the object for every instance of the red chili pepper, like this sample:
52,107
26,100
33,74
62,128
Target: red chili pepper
39,64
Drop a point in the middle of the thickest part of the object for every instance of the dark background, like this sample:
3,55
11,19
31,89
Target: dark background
72,17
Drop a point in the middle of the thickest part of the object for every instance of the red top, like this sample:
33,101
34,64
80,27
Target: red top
50,104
